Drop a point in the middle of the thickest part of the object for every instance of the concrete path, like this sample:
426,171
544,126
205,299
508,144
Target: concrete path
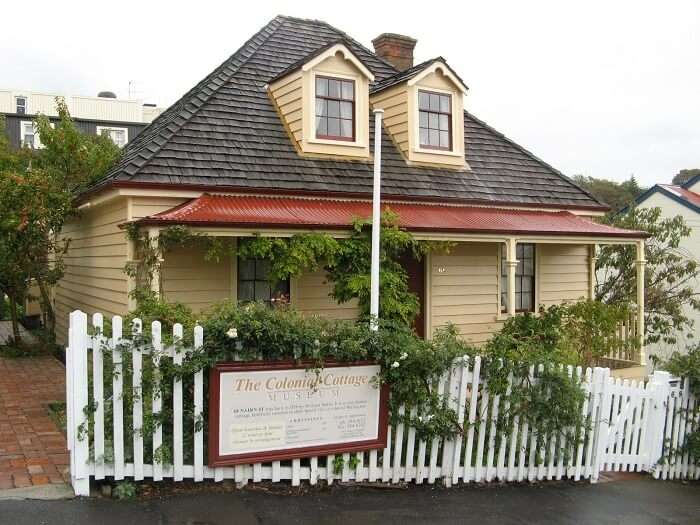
32,449
638,502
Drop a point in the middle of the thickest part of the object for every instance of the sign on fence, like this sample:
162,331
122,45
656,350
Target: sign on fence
265,411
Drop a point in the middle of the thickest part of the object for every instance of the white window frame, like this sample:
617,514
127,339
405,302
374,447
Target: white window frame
26,104
340,76
101,129
416,127
22,134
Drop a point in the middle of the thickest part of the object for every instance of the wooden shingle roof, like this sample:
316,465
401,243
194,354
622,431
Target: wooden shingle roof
224,134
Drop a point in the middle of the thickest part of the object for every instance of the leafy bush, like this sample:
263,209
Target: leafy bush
579,333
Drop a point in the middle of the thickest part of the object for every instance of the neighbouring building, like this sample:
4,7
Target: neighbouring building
279,139
121,119
683,200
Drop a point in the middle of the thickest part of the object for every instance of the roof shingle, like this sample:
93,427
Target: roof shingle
225,133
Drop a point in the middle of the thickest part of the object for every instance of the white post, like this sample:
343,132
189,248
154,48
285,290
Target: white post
659,390
640,266
592,259
376,220
153,235
511,266
80,447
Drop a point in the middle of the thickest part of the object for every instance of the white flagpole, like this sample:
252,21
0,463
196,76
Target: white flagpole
376,220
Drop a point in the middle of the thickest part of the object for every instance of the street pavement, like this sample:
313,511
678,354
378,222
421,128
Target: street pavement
634,502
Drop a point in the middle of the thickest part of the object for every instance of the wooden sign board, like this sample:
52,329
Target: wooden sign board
268,411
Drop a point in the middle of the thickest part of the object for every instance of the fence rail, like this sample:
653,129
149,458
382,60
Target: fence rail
628,424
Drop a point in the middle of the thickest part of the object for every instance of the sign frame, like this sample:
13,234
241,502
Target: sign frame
215,459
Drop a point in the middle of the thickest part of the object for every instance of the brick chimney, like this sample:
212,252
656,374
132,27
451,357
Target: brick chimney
396,49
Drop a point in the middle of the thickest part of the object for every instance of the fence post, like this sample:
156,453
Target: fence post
601,421
80,447
660,387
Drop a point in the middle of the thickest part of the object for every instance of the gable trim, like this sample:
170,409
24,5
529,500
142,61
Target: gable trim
446,70
660,189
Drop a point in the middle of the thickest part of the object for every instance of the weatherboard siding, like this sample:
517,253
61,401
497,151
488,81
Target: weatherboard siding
464,290
188,278
311,296
94,278
562,274
394,102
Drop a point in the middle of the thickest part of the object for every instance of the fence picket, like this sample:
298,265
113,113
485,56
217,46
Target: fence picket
469,467
524,439
501,471
198,411
117,400
98,394
398,446
410,448
177,406
156,401
580,434
461,406
435,442
137,408
80,448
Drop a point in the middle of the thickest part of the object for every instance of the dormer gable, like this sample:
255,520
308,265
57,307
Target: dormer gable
323,101
424,113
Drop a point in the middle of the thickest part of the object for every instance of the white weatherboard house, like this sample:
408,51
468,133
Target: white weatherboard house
674,200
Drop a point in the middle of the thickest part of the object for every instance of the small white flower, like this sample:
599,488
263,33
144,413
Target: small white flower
395,364
232,333
428,418
420,418
403,356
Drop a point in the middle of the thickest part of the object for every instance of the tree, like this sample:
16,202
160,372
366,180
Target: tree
617,195
684,176
37,196
669,278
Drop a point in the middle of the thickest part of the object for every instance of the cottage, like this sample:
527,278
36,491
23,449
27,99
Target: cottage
278,139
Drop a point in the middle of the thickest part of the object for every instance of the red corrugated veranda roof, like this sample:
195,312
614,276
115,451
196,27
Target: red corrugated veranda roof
265,212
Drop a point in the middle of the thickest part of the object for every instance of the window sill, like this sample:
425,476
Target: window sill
330,142
429,151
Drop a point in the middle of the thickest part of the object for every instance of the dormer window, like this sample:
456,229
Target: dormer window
435,120
335,108
324,102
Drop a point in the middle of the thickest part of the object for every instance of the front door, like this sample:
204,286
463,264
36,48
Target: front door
416,284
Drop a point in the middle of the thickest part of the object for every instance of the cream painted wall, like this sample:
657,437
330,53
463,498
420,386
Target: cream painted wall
310,294
188,278
94,279
562,273
464,290
689,247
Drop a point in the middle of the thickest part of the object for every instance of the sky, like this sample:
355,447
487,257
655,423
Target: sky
606,89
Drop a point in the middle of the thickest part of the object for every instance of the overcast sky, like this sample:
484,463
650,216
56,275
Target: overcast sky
600,88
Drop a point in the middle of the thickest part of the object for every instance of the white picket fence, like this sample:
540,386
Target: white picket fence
628,425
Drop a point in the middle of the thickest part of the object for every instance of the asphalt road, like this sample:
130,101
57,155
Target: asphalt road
637,502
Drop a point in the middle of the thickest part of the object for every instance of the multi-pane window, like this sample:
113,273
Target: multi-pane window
524,278
28,136
435,120
254,283
335,109
119,136
21,105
